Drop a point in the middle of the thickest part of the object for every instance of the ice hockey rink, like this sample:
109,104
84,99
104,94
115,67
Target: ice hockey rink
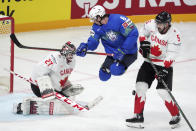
118,102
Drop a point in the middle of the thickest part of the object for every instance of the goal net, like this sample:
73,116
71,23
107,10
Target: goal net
6,53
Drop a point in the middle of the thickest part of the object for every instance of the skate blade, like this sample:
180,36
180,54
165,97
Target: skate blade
175,126
135,125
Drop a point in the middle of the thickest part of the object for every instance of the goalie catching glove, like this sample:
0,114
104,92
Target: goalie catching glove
72,90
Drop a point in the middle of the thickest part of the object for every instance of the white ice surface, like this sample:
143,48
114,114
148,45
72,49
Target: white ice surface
118,102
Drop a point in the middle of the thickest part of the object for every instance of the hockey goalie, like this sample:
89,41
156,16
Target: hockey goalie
51,77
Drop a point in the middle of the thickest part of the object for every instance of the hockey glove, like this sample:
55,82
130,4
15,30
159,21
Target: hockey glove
118,54
72,90
82,49
162,74
46,88
144,48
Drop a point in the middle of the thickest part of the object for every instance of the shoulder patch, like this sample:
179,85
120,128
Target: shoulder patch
127,23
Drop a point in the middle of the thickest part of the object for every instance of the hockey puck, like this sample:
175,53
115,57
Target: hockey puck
133,92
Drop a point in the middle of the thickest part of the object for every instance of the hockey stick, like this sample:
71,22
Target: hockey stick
15,40
173,98
64,99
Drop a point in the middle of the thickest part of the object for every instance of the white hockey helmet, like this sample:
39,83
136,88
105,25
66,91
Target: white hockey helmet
97,10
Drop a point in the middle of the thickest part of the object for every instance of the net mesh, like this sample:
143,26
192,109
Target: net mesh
5,26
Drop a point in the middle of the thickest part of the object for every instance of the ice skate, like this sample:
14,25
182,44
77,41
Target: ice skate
175,121
136,122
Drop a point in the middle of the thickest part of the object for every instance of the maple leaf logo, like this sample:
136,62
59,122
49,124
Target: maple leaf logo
155,50
139,105
173,109
62,82
168,63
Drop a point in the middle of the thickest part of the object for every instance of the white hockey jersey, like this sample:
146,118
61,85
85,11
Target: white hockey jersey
164,47
55,65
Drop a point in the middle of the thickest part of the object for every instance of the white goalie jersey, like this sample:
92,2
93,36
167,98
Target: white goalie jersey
164,48
54,65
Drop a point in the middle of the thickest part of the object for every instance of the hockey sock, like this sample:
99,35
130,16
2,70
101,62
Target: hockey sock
171,106
140,97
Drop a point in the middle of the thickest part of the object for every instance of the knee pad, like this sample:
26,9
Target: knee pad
163,93
141,88
117,69
103,75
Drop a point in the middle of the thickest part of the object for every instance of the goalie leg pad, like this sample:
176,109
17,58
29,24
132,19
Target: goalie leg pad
39,106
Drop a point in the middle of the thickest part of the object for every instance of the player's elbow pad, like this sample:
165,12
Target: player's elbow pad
92,43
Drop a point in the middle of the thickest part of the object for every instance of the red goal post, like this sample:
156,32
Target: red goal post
6,28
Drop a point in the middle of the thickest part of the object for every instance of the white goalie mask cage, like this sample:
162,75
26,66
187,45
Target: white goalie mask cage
68,50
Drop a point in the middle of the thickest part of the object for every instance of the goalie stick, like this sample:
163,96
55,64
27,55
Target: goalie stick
64,99
15,40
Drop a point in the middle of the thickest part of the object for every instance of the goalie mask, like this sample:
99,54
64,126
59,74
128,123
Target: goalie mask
68,50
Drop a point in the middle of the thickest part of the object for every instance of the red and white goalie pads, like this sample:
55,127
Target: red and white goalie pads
41,106
60,106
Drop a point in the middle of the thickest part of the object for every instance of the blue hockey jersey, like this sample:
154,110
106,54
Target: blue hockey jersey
119,32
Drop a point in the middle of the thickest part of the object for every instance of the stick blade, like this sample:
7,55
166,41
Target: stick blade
93,103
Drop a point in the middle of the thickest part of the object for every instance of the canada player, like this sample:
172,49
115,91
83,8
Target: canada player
160,44
51,74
